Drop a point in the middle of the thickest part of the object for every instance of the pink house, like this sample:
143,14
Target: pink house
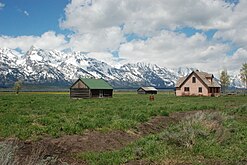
197,84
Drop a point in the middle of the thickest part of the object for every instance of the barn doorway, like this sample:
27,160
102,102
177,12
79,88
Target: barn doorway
101,94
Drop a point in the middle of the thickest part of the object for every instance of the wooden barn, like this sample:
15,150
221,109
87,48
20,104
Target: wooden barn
147,90
90,88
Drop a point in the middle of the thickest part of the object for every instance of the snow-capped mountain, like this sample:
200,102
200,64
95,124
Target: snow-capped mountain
235,81
38,66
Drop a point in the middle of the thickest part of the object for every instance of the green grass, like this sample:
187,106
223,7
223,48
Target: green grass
28,116
200,139
34,115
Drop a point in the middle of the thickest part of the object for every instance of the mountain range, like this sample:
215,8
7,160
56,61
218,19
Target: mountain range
57,68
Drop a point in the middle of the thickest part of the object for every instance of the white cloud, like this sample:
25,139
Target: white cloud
107,39
171,49
48,40
145,16
234,63
100,27
84,17
238,30
97,28
103,56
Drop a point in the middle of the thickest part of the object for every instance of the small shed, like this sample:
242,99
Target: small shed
90,88
147,90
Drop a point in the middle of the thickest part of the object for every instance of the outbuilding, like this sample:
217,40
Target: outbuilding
91,88
147,90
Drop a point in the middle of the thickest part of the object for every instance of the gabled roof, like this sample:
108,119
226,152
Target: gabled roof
148,88
180,81
96,83
203,76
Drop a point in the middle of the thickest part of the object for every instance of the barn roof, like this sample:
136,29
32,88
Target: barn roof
96,83
148,88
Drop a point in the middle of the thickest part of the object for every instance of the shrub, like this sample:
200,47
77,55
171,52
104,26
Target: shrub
199,125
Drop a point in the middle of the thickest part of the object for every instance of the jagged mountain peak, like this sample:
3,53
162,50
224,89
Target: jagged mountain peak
8,52
40,66
184,71
33,47
32,50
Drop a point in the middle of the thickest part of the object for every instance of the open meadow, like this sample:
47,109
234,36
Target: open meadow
125,129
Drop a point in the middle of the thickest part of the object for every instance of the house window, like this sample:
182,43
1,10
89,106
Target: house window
193,80
200,89
186,89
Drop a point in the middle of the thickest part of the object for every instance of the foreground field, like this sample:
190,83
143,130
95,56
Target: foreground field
127,129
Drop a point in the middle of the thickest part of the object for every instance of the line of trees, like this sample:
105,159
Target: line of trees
225,78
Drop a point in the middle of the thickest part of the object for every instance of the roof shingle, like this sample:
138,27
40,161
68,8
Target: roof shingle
148,88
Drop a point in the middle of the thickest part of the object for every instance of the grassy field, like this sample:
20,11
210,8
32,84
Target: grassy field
200,139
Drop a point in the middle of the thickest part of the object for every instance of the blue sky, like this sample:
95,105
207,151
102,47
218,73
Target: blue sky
197,33
31,17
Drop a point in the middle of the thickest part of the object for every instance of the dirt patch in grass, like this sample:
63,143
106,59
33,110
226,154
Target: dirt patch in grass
61,150
94,141
155,125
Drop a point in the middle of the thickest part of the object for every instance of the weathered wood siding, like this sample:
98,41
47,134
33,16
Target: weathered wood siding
79,93
79,84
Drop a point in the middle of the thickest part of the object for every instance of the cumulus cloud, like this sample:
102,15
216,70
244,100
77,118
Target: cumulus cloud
238,29
84,16
102,27
171,49
145,16
234,63
107,39
48,40
103,56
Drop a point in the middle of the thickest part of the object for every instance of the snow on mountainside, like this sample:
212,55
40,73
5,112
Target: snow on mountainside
38,66
235,81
